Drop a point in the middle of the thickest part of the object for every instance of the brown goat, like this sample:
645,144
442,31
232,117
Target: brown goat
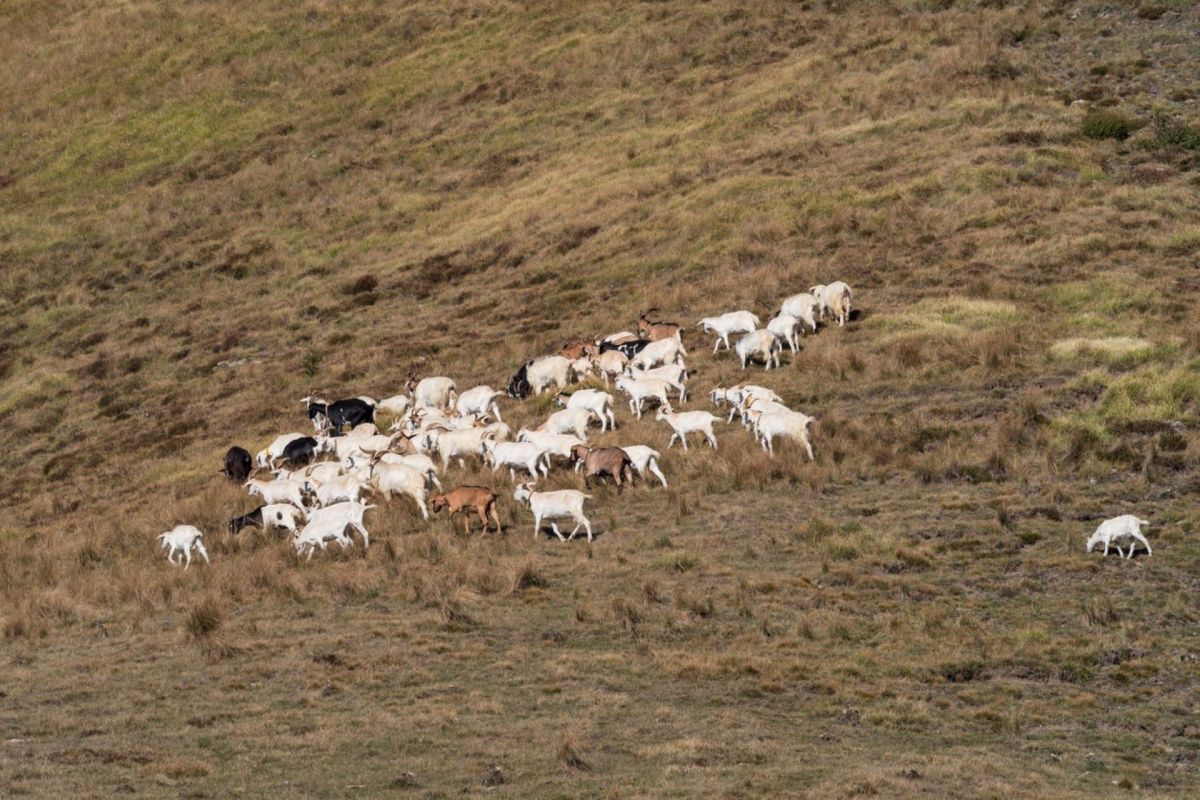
657,329
577,350
598,462
466,499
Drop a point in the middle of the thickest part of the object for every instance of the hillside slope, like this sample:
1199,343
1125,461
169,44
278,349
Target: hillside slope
208,210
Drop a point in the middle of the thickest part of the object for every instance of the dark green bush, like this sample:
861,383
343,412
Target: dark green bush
1106,125
1173,133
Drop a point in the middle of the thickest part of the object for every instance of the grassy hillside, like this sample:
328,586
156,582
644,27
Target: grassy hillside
209,209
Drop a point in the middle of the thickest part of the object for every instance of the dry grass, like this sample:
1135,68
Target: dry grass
207,211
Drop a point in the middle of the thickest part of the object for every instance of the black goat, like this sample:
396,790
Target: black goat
352,411
629,349
253,519
237,464
299,452
519,386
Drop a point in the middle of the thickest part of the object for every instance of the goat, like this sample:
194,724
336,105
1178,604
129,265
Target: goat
518,385
664,351
761,343
466,499
1126,526
391,479
418,461
455,444
237,465
275,449
554,505
804,307
610,363
183,539
541,372
365,429
674,374
317,533
789,424
655,330
835,299
285,491
597,402
274,515
340,413
645,459
600,461
300,452
479,401
349,514
725,324
686,422
526,455
628,348
552,444
641,389
397,404
785,327
569,420
577,350
340,489
435,392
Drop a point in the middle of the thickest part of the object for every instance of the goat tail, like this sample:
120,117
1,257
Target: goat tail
1143,522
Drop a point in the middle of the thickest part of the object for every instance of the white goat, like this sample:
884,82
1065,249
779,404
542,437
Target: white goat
541,372
524,455
597,402
479,401
287,491
686,422
569,420
281,515
640,390
610,363
396,405
761,343
664,351
645,458
390,479
786,328
674,374
455,444
725,324
436,392
1112,531
789,424
183,539
316,534
835,299
348,514
341,489
804,307
418,461
553,444
554,505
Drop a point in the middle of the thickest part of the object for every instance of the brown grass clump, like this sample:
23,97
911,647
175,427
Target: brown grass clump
204,618
568,753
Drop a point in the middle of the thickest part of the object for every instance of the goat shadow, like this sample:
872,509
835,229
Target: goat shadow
547,532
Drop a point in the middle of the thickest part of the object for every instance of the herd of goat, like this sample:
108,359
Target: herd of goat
320,501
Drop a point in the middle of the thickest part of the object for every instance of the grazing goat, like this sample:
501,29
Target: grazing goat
317,533
340,413
804,307
642,389
552,444
396,405
554,505
1112,531
645,459
597,402
338,490
365,429
390,479
300,452
569,420
664,351
600,461
835,300
275,449
274,515
524,455
237,465
183,539
347,514
455,444
725,324
435,392
610,363
418,461
761,343
577,350
541,372
518,385
285,491
674,374
467,499
686,422
628,348
654,330
479,401
786,328
789,424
